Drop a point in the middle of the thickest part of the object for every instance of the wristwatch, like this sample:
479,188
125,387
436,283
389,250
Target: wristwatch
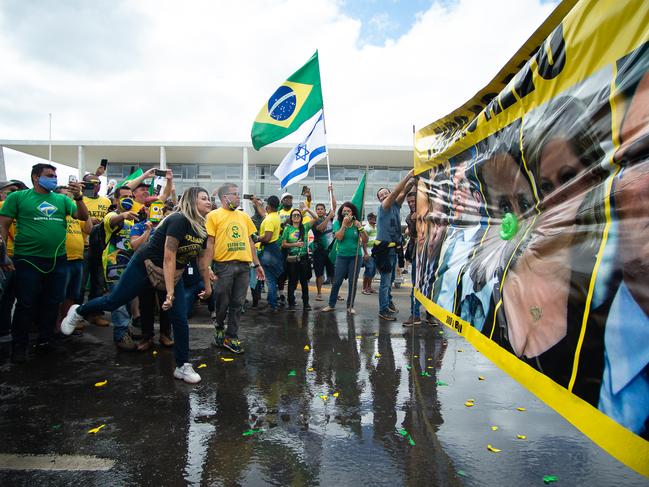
254,266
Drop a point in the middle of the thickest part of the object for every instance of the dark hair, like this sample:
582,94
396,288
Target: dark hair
224,189
379,190
90,177
412,193
371,215
273,201
349,205
301,227
37,169
321,204
118,191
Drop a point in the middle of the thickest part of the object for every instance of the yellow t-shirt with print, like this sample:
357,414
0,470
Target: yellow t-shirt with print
272,223
74,239
231,231
10,236
97,208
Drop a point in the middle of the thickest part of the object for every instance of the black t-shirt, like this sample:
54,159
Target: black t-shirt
189,242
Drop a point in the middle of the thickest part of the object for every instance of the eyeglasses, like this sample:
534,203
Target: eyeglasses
234,194
295,215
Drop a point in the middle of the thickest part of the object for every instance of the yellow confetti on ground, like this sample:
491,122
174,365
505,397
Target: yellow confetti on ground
324,397
480,377
310,369
155,352
430,367
416,356
492,449
226,359
377,355
376,334
429,358
201,366
494,428
307,348
521,409
469,404
96,430
358,337
521,437
101,384
336,394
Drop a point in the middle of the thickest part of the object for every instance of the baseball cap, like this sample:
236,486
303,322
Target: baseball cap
286,195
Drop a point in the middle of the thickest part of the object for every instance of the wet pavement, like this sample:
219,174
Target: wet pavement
317,399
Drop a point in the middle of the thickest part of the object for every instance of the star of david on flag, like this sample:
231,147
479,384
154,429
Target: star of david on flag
295,166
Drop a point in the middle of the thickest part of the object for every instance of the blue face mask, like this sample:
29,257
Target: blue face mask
48,184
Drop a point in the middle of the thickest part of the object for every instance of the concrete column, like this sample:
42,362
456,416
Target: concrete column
245,180
81,161
3,171
163,157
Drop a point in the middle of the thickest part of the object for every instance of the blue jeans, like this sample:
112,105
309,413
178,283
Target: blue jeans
272,261
415,305
191,294
38,296
370,268
128,287
344,268
73,280
385,288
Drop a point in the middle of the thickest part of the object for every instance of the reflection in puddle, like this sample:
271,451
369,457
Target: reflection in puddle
200,431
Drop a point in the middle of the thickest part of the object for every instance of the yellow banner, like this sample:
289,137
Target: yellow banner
533,220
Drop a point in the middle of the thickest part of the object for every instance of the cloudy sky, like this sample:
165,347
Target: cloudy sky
200,70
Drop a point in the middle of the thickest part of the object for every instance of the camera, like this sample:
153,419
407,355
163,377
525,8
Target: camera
247,196
161,173
72,179
305,190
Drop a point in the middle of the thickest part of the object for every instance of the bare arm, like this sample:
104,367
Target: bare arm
392,197
133,183
259,206
119,218
169,269
261,275
208,253
169,186
204,269
5,223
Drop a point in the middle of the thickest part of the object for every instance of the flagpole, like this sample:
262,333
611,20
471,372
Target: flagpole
358,243
324,125
49,145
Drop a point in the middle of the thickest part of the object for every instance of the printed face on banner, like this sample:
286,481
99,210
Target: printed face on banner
538,238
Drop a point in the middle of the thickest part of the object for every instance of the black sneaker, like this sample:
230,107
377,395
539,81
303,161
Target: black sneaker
282,300
233,344
306,307
291,307
392,308
18,353
387,316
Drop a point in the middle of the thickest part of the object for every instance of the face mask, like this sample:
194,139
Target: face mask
126,204
48,184
231,206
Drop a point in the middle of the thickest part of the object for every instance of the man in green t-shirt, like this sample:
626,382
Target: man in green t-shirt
39,258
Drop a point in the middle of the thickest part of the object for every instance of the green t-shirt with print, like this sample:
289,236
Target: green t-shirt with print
291,235
348,246
41,226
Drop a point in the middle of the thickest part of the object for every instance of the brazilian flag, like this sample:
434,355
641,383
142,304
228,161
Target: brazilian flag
292,104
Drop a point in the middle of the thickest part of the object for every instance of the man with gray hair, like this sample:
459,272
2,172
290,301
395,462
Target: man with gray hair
231,251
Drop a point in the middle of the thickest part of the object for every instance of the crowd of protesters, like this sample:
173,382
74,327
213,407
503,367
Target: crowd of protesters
138,253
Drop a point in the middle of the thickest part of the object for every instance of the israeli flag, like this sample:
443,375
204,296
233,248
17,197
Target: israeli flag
303,156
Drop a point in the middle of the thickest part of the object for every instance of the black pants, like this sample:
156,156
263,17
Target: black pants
93,273
147,298
298,271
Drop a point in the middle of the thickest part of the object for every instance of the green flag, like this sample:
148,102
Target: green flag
130,177
292,104
358,200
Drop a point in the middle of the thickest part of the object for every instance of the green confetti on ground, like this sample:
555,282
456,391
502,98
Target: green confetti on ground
425,374
251,432
56,426
403,432
412,442
461,473
441,383
292,373
408,367
548,479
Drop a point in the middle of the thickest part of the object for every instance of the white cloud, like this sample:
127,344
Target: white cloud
200,70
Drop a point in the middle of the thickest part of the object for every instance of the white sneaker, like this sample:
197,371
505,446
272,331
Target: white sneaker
71,320
187,373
